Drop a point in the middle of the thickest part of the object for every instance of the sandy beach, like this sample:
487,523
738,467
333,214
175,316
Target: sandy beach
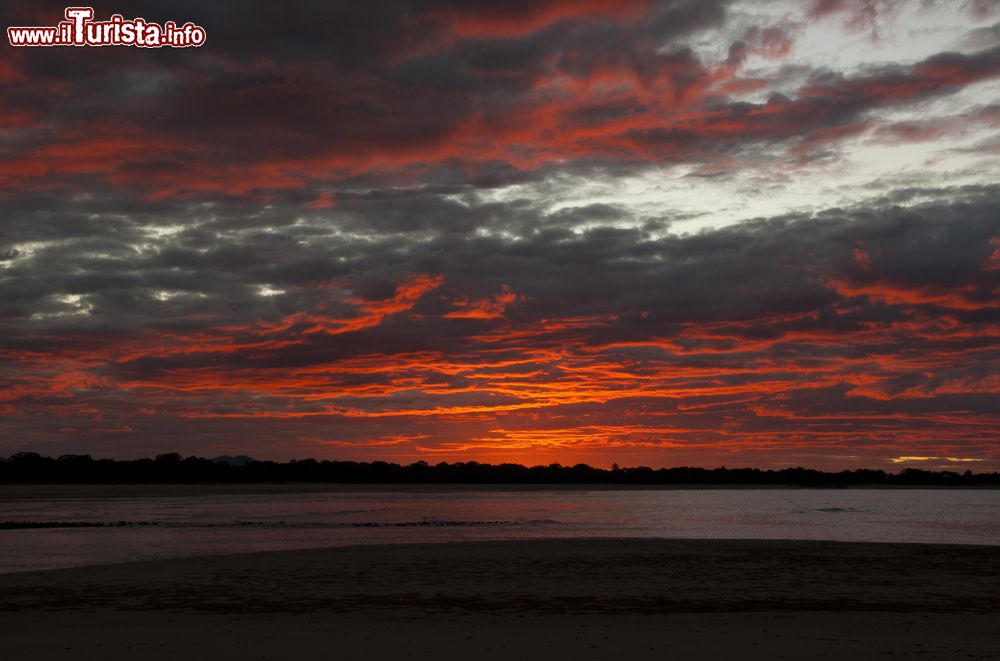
578,599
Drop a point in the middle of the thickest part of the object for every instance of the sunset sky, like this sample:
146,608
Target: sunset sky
662,233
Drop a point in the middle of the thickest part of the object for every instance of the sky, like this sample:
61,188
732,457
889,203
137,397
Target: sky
688,232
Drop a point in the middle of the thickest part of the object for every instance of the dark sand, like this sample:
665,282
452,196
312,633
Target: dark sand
546,599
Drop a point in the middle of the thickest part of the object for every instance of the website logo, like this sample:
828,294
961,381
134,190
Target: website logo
80,29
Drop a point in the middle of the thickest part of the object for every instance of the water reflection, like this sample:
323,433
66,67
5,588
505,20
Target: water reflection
122,529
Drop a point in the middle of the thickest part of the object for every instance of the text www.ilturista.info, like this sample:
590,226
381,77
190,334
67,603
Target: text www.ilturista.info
79,29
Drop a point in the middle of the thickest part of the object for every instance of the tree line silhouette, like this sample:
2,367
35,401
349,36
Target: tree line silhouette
172,468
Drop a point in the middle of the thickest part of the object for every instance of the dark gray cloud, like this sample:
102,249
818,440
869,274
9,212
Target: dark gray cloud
341,224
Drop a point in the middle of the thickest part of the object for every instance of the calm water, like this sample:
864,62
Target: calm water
168,526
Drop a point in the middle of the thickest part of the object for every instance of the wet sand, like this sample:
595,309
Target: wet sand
552,599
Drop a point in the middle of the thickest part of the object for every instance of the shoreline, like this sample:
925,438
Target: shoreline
669,546
706,543
578,598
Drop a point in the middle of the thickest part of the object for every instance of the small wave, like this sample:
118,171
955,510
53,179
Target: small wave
28,525
834,509
24,525
408,524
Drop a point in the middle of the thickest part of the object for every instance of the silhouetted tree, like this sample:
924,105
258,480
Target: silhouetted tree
31,467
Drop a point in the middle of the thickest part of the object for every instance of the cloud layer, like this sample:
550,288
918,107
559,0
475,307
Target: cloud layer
643,232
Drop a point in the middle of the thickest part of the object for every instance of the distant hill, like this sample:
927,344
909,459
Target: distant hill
238,460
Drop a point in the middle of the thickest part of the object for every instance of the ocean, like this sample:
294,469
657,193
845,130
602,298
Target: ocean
65,532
